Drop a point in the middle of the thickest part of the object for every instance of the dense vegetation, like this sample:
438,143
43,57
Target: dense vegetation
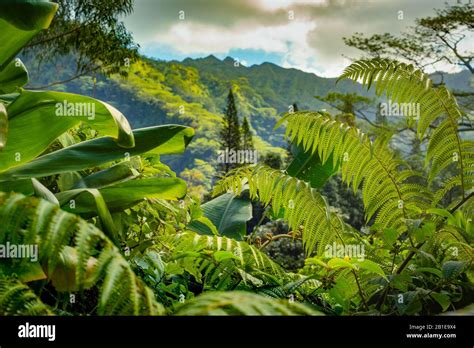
118,232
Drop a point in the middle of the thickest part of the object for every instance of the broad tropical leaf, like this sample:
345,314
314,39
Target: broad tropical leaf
308,167
163,140
13,76
20,21
228,213
123,195
34,113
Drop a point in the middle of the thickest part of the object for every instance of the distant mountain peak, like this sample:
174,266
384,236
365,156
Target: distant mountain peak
211,57
229,60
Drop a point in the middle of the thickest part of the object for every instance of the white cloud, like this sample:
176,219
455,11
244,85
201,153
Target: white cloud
312,41
273,5
191,38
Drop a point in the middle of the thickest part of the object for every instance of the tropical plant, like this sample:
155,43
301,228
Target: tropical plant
73,254
116,232
398,203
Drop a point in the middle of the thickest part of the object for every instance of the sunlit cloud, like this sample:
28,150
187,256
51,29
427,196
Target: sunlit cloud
302,34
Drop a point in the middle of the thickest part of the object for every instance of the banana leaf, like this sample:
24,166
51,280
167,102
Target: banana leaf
34,123
122,195
162,140
13,76
20,21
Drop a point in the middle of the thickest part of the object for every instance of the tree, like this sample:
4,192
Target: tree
439,39
91,32
247,140
230,134
431,40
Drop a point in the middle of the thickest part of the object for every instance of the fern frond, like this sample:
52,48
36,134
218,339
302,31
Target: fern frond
450,241
248,257
386,189
97,262
438,107
299,204
301,284
242,303
17,298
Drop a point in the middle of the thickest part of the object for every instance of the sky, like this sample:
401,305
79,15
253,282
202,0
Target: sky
302,34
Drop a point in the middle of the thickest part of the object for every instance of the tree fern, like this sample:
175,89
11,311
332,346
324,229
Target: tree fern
388,189
295,200
438,107
242,303
29,220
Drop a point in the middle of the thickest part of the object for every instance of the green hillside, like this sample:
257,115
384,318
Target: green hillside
193,93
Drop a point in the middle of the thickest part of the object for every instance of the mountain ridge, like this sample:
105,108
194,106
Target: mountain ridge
193,92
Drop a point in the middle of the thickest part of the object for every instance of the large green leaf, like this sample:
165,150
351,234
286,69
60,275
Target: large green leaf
307,167
228,213
13,76
122,195
164,140
111,175
97,204
20,21
24,186
36,119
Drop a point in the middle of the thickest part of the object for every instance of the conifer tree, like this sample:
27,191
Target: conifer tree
247,140
230,134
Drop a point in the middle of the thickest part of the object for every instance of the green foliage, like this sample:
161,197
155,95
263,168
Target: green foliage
397,201
298,203
404,84
90,31
246,256
97,261
228,213
247,140
143,252
385,191
230,134
241,303
428,41
17,299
